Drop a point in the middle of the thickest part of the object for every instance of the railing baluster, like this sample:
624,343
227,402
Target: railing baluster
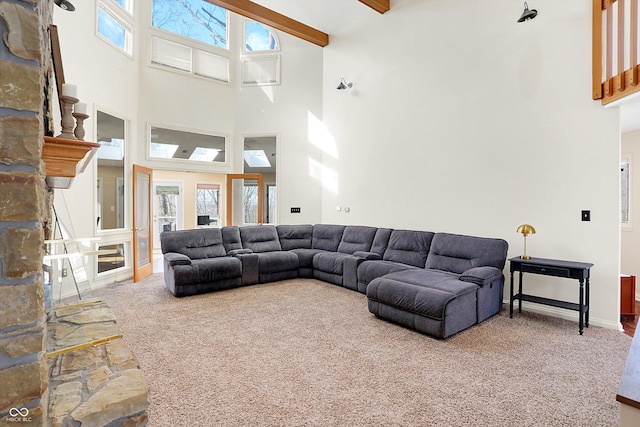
596,54
621,26
634,42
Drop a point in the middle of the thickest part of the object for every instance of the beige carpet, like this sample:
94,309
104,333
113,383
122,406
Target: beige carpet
307,353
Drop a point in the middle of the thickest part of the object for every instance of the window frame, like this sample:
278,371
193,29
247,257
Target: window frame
191,42
193,45
218,188
200,166
245,51
122,17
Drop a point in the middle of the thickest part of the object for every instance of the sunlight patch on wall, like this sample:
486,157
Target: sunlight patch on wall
327,177
320,136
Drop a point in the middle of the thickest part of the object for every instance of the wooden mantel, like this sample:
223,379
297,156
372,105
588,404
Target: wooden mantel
66,158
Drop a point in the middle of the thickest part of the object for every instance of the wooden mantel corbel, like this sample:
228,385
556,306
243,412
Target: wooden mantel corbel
66,158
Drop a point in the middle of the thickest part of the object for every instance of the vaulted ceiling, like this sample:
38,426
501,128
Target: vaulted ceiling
265,12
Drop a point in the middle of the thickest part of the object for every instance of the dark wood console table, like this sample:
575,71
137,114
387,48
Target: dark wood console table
557,268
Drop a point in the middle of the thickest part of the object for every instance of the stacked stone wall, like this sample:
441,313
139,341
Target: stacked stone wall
25,70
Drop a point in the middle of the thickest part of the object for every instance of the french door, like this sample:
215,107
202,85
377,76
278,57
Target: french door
142,247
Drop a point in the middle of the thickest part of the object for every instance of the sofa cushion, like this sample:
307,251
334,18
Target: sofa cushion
295,236
356,238
207,270
369,270
196,244
231,238
381,241
458,253
260,238
305,256
271,262
330,262
327,237
408,247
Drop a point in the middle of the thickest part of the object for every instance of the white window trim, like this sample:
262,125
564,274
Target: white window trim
124,18
194,165
221,201
249,58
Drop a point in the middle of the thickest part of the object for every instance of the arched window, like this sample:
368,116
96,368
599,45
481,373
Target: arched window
258,38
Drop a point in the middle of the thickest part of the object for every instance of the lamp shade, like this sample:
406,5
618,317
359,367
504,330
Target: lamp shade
526,229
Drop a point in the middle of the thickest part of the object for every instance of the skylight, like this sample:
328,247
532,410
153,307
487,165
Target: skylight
256,159
203,154
163,151
111,150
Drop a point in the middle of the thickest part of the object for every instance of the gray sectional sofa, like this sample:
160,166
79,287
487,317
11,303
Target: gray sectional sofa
436,283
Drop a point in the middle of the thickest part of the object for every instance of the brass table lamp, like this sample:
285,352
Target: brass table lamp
525,230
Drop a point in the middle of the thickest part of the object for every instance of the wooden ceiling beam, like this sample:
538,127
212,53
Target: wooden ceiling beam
273,19
381,6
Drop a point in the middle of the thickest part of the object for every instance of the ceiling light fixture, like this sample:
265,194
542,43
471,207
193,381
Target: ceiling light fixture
527,14
344,85
65,5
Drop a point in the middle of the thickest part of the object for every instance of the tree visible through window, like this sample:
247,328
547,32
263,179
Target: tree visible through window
207,197
195,19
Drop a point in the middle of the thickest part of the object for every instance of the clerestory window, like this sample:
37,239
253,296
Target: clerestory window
259,38
195,19
115,23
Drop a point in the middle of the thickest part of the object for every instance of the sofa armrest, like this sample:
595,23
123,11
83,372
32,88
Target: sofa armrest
481,275
367,255
174,258
235,252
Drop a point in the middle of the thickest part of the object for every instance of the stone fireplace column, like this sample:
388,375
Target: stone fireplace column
25,64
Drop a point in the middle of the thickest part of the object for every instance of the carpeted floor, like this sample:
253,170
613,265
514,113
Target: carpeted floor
306,353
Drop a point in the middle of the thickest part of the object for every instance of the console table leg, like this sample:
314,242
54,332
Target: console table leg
511,297
587,303
581,315
520,291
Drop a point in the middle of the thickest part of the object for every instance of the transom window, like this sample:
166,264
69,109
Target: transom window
196,147
195,19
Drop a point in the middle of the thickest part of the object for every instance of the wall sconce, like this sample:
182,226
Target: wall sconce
344,85
525,230
65,5
527,14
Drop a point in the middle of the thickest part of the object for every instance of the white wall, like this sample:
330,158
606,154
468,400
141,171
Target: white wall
463,120
630,237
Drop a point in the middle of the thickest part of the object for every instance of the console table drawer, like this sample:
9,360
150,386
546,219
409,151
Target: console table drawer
549,271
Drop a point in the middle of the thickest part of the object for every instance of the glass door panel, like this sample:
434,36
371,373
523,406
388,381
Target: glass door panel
244,199
142,250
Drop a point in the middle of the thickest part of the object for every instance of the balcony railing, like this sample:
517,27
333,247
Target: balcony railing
615,49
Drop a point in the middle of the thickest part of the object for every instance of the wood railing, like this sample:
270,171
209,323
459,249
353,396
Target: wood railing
615,49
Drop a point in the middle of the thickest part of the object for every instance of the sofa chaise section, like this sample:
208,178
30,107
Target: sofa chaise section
196,261
461,285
